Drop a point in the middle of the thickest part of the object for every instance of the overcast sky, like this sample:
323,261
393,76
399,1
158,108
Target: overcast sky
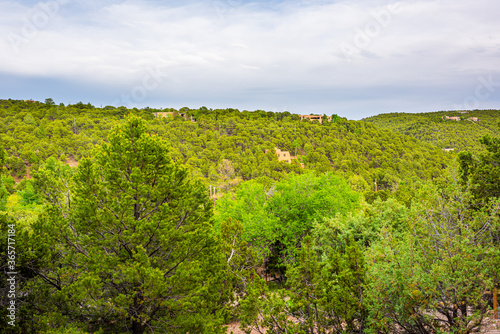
351,58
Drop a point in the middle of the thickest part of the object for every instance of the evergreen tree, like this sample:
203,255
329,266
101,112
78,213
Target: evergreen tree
3,190
133,245
483,172
433,278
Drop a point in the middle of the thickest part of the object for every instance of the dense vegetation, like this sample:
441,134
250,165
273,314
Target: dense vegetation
373,159
379,233
445,133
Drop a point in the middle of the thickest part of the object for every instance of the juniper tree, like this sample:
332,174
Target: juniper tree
132,247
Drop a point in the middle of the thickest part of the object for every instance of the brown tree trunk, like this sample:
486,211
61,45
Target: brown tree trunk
495,303
138,328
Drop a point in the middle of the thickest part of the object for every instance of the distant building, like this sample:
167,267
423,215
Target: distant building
318,118
463,112
474,119
448,149
452,118
163,114
173,114
285,156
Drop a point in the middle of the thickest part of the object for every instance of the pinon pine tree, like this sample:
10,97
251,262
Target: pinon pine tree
133,250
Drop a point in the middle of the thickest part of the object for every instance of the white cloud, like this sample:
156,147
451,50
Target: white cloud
270,50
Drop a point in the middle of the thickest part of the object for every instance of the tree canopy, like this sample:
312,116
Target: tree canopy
184,221
132,246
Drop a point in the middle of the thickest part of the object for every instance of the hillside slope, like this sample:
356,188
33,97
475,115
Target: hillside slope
446,133
224,144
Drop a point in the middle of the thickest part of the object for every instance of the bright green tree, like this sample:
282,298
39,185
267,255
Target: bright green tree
300,200
283,213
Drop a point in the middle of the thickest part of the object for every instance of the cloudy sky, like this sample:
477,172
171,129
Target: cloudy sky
351,58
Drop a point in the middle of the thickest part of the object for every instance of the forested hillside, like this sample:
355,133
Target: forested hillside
110,224
373,159
451,130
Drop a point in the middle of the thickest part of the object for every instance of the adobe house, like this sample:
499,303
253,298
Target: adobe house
474,119
318,118
453,118
163,114
285,156
171,114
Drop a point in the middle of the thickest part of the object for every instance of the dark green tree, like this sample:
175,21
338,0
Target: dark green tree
483,172
133,242
29,194
433,278
3,189
320,296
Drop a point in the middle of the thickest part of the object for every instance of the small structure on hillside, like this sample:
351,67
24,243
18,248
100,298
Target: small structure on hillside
318,118
173,114
474,119
163,114
448,149
452,118
285,156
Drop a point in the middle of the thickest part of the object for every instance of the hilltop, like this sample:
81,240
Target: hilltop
450,130
224,145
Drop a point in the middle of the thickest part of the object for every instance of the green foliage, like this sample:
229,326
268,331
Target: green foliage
53,181
6,181
321,296
286,211
26,297
257,223
3,159
241,262
363,226
483,172
29,195
3,196
34,131
433,279
300,200
434,128
131,240
16,166
127,241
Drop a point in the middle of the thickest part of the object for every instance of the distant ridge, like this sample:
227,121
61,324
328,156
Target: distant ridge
453,131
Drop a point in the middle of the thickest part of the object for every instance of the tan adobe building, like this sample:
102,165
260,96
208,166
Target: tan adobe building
171,114
474,119
318,118
453,118
163,114
285,156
